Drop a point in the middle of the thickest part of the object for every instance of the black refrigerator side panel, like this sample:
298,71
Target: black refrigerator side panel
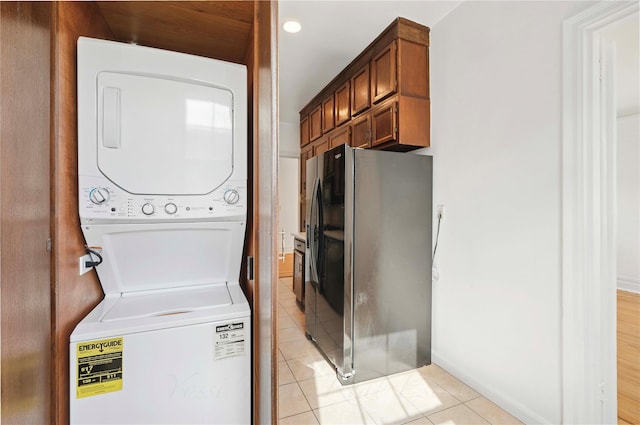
392,240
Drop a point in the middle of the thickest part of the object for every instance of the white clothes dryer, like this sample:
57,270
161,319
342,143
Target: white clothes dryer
162,195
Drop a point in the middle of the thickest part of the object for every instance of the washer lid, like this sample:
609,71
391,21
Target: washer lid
156,256
169,303
158,135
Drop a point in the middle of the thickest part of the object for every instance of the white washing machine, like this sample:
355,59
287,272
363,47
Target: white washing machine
162,182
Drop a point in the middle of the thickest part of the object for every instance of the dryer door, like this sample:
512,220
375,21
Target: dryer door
161,136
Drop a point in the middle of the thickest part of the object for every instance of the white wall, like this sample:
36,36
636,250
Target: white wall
289,139
628,174
496,81
288,192
287,201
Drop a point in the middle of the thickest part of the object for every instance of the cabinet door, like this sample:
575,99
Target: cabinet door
384,123
343,104
361,131
321,146
315,123
304,131
340,136
383,73
360,93
328,114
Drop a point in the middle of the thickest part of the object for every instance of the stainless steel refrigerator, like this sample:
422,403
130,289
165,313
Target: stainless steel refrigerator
368,260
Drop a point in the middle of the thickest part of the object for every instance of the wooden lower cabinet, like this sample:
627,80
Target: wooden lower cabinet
298,271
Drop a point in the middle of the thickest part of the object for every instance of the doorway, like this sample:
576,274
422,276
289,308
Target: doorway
589,214
622,39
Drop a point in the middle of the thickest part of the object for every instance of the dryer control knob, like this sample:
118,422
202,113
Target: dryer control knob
170,208
99,195
231,196
148,209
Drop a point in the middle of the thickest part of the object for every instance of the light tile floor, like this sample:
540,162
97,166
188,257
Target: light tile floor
309,392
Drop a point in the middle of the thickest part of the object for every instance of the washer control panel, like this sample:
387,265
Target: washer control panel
104,201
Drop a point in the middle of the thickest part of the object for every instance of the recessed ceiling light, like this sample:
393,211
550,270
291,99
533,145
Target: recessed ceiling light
292,26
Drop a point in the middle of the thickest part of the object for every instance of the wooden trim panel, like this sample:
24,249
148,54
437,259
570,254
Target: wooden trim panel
25,214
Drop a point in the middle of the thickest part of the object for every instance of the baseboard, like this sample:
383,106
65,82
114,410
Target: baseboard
629,284
507,403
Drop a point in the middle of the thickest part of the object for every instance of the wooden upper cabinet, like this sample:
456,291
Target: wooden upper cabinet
343,103
340,136
304,131
360,93
328,114
305,153
315,123
321,146
382,95
361,131
384,123
413,69
384,81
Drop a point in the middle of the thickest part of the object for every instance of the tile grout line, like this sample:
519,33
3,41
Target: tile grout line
305,399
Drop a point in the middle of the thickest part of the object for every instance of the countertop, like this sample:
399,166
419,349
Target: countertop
300,235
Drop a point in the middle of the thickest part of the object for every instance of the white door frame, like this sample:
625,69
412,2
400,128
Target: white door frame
589,382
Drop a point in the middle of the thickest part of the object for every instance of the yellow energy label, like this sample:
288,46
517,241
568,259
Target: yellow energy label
99,366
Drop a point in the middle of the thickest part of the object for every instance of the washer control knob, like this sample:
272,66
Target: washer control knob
170,208
99,195
231,196
148,209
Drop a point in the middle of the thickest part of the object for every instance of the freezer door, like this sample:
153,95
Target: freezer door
325,306
330,294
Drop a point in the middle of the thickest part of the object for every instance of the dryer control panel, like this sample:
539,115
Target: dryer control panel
103,201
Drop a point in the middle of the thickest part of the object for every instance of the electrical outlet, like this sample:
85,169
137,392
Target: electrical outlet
83,264
440,211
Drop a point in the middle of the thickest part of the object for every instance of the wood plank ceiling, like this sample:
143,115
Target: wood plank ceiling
215,29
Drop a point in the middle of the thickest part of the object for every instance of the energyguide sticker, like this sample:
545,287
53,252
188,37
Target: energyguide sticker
99,367
229,340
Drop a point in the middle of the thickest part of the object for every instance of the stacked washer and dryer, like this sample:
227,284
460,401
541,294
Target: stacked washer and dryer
162,181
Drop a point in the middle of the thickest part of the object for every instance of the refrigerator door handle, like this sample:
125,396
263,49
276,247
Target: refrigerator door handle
319,233
312,233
